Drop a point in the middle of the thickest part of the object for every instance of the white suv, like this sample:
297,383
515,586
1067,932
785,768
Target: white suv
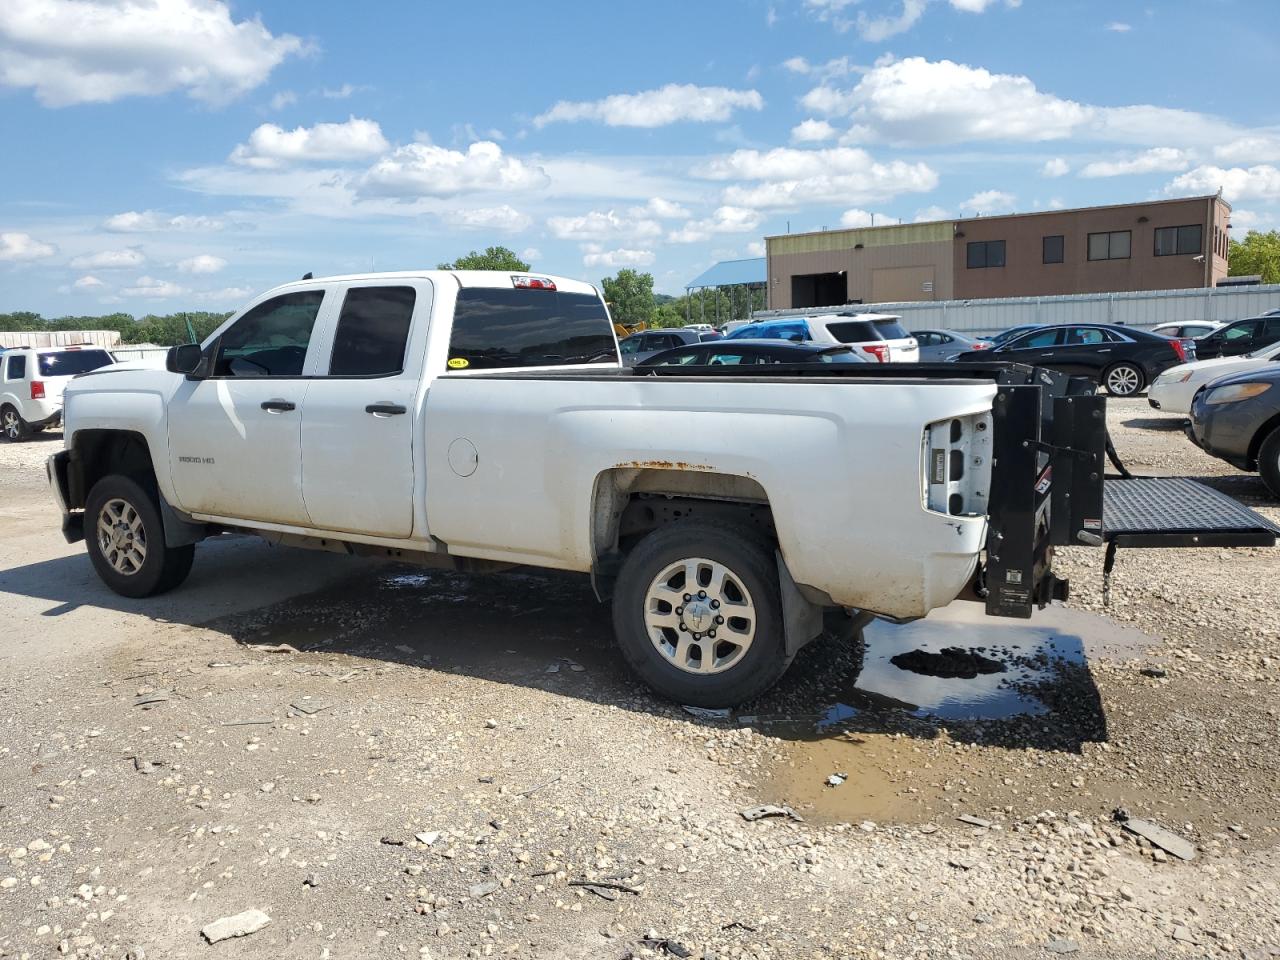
32,381
880,334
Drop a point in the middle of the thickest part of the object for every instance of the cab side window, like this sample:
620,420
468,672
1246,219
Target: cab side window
373,330
271,339
1046,338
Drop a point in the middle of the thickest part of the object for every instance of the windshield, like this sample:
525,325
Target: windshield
67,363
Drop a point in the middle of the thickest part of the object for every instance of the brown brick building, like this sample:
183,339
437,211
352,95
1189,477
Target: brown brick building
1161,245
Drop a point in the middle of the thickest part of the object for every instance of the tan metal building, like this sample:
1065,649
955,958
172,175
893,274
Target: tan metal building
1160,245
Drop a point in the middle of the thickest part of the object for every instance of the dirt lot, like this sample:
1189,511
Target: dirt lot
437,766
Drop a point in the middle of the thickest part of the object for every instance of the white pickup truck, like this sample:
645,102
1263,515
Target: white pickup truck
482,421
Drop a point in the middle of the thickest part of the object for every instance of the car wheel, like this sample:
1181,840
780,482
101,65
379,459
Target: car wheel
125,540
1123,380
15,429
1269,462
698,614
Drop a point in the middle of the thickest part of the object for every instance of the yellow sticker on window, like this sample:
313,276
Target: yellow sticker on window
459,363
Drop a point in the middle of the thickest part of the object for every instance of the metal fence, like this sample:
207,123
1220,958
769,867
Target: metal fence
59,338
1144,308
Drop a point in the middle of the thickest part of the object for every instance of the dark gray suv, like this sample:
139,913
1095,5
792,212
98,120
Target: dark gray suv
1237,419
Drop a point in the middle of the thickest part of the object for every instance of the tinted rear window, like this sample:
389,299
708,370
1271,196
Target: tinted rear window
373,329
494,327
855,331
67,363
892,330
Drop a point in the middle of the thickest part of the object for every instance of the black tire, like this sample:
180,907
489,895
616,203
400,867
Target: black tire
1128,374
14,428
749,558
1269,462
162,567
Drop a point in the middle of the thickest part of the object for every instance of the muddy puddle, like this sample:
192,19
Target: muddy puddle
956,674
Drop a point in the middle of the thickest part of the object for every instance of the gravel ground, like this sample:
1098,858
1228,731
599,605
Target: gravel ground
442,766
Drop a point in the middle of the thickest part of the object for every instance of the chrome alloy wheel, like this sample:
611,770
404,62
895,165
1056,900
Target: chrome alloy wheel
1123,381
699,616
11,424
121,536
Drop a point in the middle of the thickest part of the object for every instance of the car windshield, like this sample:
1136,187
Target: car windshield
68,363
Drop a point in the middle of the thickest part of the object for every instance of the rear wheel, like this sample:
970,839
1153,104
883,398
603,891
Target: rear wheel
1269,462
698,614
125,540
1123,380
15,429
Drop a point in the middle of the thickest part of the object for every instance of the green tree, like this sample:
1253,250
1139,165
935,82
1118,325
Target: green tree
630,296
493,258
1258,253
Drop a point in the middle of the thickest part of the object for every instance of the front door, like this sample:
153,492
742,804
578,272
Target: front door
359,414
235,436
1037,349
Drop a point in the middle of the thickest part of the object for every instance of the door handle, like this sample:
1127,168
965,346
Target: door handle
1108,350
278,406
386,409
1046,354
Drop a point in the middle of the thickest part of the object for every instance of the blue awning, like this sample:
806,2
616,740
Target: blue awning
732,273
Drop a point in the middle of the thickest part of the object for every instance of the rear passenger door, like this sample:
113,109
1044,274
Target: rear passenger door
358,417
1085,352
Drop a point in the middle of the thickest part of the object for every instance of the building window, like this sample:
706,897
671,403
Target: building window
1109,246
1053,249
985,253
1174,241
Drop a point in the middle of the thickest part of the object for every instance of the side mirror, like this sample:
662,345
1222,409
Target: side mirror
185,358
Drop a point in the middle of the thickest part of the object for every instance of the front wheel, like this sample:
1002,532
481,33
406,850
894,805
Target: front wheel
1123,380
15,429
125,540
1269,462
698,614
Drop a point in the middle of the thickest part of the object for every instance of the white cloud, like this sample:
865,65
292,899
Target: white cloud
1055,167
756,248
812,131
597,256
285,98
503,218
929,214
1261,182
109,259
1116,26
422,169
877,28
864,218
19,247
603,225
656,108
201,263
989,202
227,296
791,177
531,254
270,146
1155,160
153,289
1255,148
150,221
88,282
97,51
726,219
918,101
341,93
1244,222
838,67
660,208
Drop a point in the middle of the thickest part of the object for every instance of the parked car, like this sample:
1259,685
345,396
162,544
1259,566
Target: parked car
1197,328
942,345
641,346
1237,419
1004,336
1240,337
878,335
493,428
1121,359
738,352
1174,389
32,381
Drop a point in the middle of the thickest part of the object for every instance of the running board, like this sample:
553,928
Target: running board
1175,512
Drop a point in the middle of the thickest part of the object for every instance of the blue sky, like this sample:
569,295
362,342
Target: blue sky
184,154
